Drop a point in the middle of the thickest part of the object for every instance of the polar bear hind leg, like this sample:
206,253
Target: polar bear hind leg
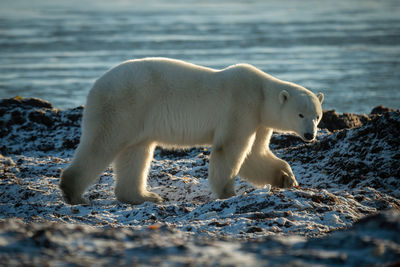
88,163
132,167
96,150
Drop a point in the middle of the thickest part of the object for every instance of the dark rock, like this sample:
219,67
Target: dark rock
70,144
34,125
76,114
25,102
178,153
39,116
218,224
285,140
254,229
380,110
45,147
333,121
75,117
2,111
42,238
173,153
16,118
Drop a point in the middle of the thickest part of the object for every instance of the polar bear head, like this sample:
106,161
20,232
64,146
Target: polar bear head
300,111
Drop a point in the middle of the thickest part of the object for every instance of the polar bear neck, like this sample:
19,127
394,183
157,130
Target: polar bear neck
270,88
272,109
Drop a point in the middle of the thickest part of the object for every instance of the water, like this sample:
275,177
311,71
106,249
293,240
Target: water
347,49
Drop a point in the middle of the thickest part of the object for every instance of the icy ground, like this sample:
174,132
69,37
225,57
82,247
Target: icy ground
344,177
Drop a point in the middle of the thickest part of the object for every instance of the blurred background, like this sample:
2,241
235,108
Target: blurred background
347,49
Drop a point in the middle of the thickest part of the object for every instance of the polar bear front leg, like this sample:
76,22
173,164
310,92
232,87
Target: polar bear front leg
132,167
282,175
262,167
225,162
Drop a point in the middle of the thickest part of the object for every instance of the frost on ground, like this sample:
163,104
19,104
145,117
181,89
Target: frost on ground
345,176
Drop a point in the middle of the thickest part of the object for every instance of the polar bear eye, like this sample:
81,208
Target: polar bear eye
301,115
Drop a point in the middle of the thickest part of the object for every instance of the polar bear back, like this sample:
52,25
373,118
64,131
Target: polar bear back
173,100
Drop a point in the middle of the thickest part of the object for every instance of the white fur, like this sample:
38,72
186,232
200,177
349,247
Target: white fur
156,101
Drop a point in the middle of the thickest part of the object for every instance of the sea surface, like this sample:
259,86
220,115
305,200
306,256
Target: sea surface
347,49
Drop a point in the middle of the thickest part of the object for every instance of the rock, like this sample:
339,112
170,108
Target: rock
25,102
373,240
39,116
380,110
285,140
32,124
333,121
70,144
16,118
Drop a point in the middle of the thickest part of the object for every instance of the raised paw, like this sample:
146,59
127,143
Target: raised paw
288,180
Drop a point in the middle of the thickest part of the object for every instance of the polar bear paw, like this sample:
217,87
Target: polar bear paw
74,200
71,198
228,192
139,199
288,180
152,197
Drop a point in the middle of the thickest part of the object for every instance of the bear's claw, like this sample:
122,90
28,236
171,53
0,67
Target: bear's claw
288,180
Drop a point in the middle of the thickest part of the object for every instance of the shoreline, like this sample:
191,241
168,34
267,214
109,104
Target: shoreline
349,188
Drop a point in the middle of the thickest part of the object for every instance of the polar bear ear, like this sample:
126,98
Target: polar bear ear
283,96
320,97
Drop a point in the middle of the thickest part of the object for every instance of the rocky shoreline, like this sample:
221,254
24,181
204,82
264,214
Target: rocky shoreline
345,211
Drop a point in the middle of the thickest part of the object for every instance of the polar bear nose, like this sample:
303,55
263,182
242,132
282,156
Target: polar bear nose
308,136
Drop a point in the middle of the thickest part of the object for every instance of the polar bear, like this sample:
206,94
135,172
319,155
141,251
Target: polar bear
158,101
